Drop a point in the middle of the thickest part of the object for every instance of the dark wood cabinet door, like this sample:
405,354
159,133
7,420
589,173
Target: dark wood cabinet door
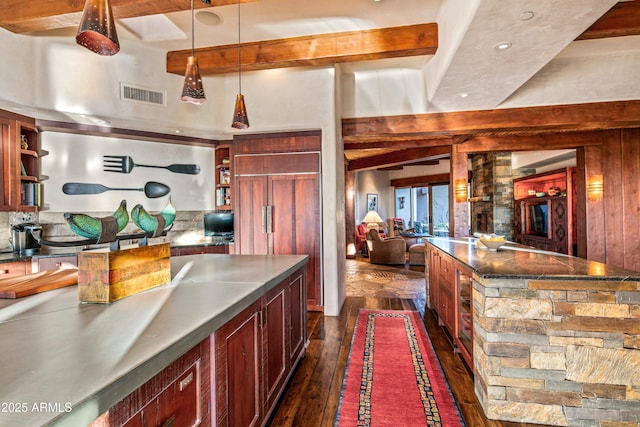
296,224
297,301
237,370
250,227
274,344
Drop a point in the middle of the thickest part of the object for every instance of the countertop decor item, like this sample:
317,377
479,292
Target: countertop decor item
93,228
541,194
151,189
153,224
492,242
125,164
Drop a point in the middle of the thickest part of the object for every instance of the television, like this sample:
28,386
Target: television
219,223
538,218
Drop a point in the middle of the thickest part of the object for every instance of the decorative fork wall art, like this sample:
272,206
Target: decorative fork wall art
125,164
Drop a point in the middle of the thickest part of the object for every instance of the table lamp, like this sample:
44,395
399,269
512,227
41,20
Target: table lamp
373,220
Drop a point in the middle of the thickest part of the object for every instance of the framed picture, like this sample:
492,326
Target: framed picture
372,202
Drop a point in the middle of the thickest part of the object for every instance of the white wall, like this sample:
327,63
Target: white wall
79,158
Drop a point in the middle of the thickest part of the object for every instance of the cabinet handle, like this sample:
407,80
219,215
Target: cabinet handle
169,422
186,381
264,219
269,219
4,271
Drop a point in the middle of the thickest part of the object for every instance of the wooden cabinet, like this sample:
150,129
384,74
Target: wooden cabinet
450,297
254,356
547,222
20,158
177,396
278,210
224,173
14,268
52,263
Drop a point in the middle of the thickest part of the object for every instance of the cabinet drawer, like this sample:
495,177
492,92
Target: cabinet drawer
57,262
11,269
177,405
446,269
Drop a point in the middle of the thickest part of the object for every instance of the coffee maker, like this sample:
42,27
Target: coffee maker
22,241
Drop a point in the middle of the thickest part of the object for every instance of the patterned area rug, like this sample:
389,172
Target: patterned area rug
393,377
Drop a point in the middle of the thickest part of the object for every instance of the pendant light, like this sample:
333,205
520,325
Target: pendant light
192,91
240,118
97,30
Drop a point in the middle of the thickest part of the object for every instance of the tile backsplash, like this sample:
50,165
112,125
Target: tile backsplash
188,226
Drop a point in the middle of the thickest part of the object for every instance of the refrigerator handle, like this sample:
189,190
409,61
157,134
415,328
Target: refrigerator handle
269,219
264,219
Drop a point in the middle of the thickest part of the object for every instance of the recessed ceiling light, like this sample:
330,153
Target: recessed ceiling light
502,46
526,15
464,95
208,17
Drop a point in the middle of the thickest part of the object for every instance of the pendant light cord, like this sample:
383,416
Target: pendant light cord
239,78
193,37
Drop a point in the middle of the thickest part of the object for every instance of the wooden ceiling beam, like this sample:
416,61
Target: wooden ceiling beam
400,157
398,144
315,50
553,118
623,19
555,141
20,17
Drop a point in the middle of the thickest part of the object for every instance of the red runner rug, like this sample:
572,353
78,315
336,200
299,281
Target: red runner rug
393,377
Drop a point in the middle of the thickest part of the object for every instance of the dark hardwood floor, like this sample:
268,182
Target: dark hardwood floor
311,398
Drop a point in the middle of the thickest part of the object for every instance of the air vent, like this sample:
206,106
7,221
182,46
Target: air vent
129,92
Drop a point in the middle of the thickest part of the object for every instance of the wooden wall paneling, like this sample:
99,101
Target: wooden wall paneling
630,140
283,142
251,196
590,229
613,189
268,164
458,211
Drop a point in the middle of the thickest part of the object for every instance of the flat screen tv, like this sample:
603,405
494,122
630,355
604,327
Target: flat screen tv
538,219
219,223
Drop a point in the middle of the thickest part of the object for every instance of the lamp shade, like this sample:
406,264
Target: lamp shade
240,119
192,91
97,30
372,216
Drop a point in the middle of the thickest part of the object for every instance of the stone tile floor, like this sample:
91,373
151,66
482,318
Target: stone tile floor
385,281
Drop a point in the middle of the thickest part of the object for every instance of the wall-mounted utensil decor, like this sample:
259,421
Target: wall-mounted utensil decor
125,164
151,189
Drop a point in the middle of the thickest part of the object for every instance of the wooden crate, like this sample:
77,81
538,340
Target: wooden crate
107,276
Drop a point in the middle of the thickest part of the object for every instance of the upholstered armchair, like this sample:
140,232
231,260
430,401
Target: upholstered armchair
361,236
385,251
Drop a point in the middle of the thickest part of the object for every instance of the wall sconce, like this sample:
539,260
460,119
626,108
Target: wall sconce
460,190
595,188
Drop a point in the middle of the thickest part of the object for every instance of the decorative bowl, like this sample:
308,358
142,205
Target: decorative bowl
541,194
492,242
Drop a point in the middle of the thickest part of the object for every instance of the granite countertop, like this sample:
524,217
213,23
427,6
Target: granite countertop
520,261
87,357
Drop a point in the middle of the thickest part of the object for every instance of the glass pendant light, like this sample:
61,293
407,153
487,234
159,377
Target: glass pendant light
97,30
192,91
240,118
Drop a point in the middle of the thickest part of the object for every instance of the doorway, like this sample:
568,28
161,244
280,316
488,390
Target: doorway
425,209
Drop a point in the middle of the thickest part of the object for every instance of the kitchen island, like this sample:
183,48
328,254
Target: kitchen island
551,339
66,363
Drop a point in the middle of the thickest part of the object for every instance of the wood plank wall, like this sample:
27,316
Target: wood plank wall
621,200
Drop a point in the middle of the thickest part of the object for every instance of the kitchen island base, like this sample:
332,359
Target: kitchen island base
556,339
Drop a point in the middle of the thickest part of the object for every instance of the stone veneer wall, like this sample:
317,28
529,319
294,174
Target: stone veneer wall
492,176
558,352
188,226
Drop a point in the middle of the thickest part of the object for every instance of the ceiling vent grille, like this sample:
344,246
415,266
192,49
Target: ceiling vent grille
129,92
